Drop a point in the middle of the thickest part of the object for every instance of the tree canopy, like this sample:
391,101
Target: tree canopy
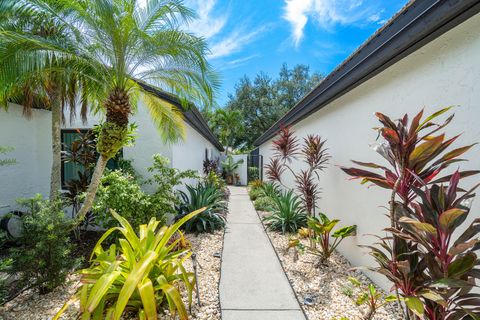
261,102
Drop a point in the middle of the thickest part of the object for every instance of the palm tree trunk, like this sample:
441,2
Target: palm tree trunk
92,189
55,178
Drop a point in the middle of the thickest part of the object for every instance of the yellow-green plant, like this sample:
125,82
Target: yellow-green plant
143,272
373,298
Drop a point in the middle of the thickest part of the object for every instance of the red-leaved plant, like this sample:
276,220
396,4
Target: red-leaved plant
433,273
313,153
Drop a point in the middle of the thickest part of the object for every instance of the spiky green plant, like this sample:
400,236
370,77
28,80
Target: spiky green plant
141,274
288,214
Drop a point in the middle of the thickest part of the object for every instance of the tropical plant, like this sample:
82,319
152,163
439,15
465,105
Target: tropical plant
121,193
203,196
264,204
254,194
43,258
255,184
210,165
215,180
229,166
320,232
34,85
227,124
371,297
288,214
253,173
7,161
147,274
114,44
312,152
417,155
165,178
270,190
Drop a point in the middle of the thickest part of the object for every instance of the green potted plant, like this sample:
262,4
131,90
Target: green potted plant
229,166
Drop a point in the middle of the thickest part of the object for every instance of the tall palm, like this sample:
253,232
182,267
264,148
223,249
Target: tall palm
117,42
227,123
39,89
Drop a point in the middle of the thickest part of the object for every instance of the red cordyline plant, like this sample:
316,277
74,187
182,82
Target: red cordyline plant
417,154
312,152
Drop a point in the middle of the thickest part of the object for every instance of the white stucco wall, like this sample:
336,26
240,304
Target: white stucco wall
444,72
190,153
242,168
32,142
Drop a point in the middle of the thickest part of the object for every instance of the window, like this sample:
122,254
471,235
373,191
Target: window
72,169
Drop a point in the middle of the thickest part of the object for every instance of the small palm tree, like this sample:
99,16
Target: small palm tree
116,43
227,123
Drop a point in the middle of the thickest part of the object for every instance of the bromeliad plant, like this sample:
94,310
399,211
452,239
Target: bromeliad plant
320,232
429,272
141,274
313,153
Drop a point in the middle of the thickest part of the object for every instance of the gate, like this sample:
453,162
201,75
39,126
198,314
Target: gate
255,165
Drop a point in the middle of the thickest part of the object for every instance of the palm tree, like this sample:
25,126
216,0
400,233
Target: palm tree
226,123
116,43
43,88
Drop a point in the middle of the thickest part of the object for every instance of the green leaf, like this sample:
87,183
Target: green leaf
415,305
354,281
391,298
345,232
433,296
147,294
426,149
423,226
448,217
462,265
433,116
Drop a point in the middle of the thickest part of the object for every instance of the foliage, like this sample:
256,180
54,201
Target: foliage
229,165
227,124
5,265
255,184
148,274
215,180
371,297
206,196
320,232
288,214
262,101
313,153
8,161
165,178
433,273
255,193
43,258
264,204
253,173
120,192
270,190
211,165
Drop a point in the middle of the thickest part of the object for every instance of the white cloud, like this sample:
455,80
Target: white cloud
208,24
232,43
327,13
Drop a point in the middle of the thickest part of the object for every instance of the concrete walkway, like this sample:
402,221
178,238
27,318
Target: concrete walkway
253,285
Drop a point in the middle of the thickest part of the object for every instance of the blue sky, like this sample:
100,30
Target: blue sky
248,36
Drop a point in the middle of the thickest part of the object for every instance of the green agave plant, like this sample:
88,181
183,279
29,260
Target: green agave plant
141,274
206,196
288,214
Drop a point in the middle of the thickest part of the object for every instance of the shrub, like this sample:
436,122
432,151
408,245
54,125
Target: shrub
165,179
371,297
288,215
203,196
43,258
264,204
148,275
255,184
255,193
120,192
270,190
319,233
229,166
211,166
215,180
432,268
253,174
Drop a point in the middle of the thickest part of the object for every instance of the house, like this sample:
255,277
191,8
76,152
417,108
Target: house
32,142
426,56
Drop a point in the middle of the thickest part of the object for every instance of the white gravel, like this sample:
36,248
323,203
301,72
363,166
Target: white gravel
32,306
325,284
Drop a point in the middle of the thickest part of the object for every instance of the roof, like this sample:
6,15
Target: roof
192,116
415,25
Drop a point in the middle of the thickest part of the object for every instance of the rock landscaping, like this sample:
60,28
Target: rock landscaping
324,290
32,306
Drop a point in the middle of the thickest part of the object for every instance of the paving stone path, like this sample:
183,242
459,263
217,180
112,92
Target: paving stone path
253,285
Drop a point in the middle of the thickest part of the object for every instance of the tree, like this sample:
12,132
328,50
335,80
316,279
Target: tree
45,88
227,124
264,100
116,43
